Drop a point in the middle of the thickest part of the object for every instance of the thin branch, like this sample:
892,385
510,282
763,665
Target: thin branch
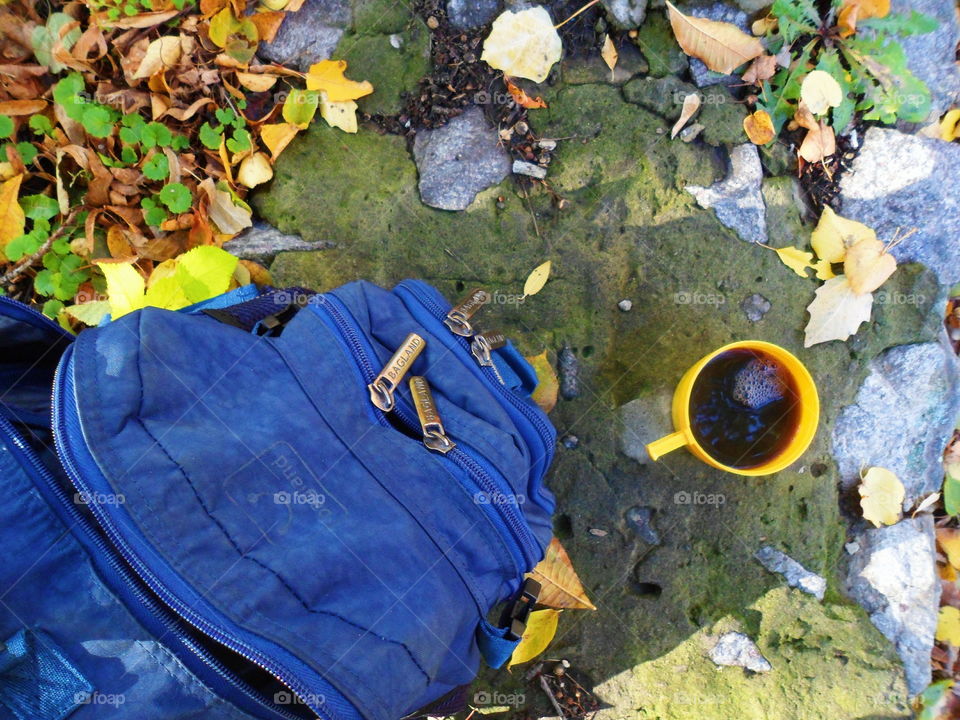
17,270
589,4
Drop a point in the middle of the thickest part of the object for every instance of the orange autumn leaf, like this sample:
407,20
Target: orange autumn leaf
328,75
759,127
521,98
855,10
559,585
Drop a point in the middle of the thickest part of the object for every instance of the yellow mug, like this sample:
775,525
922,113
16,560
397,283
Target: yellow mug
806,425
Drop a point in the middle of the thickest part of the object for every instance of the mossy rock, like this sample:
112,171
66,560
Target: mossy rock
378,17
659,46
593,69
663,96
722,117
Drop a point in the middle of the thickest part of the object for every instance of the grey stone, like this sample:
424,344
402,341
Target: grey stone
459,160
737,199
568,367
755,307
471,14
592,69
737,650
522,167
932,56
893,576
899,182
663,96
625,305
262,241
796,575
640,519
643,420
721,12
625,14
902,416
309,35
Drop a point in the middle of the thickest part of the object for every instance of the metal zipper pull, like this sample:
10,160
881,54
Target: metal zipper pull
458,319
385,384
434,436
485,343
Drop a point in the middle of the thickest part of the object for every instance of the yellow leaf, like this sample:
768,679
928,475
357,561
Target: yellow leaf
125,287
824,270
836,312
763,25
763,68
229,217
881,496
609,53
257,82
541,627
341,115
222,26
868,265
275,4
721,46
254,170
166,293
948,625
948,125
537,279
854,10
327,75
834,234
691,103
759,127
277,136
796,259
162,53
949,541
560,586
523,44
545,394
168,268
13,220
820,91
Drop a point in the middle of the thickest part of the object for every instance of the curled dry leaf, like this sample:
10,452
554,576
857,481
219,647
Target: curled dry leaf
162,54
820,91
761,69
691,103
609,53
868,265
254,170
759,127
257,82
881,496
559,585
721,46
836,312
545,394
521,98
523,44
229,217
819,143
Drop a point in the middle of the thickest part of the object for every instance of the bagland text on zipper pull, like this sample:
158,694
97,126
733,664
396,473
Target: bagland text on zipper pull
484,343
458,319
385,384
434,436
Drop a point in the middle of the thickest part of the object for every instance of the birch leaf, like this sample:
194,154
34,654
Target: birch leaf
328,75
537,279
277,136
254,170
523,44
723,47
796,259
545,394
759,127
560,586
836,312
541,627
881,496
162,53
125,287
89,313
12,218
868,265
341,115
691,103
609,52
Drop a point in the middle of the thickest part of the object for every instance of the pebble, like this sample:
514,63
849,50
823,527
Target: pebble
641,520
625,305
795,574
597,532
737,650
433,23
569,371
570,442
522,167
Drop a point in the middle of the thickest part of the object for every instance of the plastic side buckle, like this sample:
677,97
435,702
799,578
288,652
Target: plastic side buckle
515,616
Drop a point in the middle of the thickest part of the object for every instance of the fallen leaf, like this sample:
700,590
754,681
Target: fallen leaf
928,501
609,53
836,312
541,627
852,11
948,625
949,541
229,217
820,91
254,170
162,54
795,259
759,127
300,107
881,496
537,279
222,26
277,136
205,272
560,586
761,69
89,313
691,103
268,23
328,75
834,234
819,143
823,270
721,46
22,107
140,20
947,127
125,287
521,98
257,82
167,293
341,115
545,394
763,25
868,265
523,44
13,219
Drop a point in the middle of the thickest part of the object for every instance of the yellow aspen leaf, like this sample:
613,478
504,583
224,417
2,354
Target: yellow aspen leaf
834,234
277,136
824,270
559,585
759,127
881,496
796,259
537,279
257,82
125,287
300,107
162,54
836,312
254,170
723,47
948,125
949,541
328,75
222,26
341,115
609,52
948,625
868,265
691,103
820,91
541,627
523,44
12,219
545,394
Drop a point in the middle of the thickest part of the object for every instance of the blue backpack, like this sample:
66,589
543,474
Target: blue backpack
275,504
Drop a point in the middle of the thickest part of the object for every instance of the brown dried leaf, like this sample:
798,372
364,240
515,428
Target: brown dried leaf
691,103
22,107
819,143
763,68
141,20
268,23
560,586
723,47
759,127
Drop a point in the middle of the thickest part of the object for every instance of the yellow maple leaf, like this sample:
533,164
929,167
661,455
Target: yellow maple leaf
560,587
541,627
328,75
12,219
881,496
948,625
796,259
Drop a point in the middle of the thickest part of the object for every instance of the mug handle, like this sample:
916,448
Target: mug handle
666,444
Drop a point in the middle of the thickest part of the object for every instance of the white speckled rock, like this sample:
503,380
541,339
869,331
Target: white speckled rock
737,199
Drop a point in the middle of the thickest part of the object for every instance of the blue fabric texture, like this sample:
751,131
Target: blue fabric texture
37,681
247,518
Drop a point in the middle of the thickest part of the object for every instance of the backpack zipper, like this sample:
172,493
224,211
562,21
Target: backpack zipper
490,483
77,471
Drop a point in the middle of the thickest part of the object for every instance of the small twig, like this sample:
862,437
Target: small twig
589,4
17,270
553,699
898,238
